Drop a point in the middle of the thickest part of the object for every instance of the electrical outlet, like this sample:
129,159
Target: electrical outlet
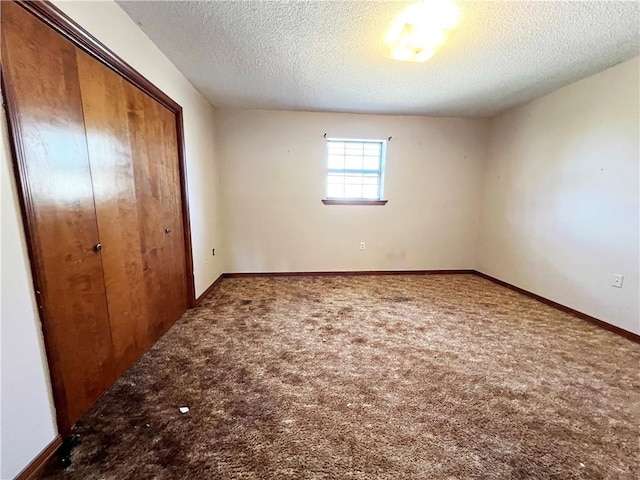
362,245
617,280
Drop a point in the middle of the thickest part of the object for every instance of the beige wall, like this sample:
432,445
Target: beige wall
27,423
273,170
561,198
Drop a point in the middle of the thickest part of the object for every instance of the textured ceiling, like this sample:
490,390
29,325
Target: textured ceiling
329,55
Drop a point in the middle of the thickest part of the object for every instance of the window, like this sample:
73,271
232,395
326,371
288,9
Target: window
355,171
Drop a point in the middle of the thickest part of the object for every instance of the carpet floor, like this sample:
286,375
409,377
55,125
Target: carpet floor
371,377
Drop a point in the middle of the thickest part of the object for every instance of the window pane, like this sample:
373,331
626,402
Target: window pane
370,179
353,179
335,191
370,191
336,148
353,191
372,149
353,163
336,161
354,149
334,178
371,163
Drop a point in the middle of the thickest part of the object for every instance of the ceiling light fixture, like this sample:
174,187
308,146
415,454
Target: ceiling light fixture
420,29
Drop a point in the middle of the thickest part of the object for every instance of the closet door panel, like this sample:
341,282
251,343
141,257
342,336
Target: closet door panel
172,207
44,102
112,166
145,135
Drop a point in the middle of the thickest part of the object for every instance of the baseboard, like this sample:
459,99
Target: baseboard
209,289
346,273
35,468
583,316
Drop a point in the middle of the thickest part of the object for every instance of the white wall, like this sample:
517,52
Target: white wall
561,198
27,424
273,170
27,420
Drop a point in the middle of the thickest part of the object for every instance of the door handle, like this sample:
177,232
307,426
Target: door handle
167,230
97,247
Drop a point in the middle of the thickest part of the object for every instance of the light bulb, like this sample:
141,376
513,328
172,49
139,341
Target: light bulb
419,29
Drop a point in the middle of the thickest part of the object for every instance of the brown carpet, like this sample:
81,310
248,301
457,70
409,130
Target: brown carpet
389,377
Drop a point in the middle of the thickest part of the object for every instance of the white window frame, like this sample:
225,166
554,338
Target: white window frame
380,172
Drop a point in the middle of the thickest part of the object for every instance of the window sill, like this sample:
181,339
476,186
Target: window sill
328,201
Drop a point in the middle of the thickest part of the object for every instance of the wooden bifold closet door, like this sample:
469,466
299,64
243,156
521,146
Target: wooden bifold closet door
99,177
132,149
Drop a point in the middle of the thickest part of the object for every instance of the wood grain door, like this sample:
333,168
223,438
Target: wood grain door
172,211
134,165
153,138
113,175
99,166
46,121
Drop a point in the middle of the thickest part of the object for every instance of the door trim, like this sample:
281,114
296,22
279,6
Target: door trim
72,31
